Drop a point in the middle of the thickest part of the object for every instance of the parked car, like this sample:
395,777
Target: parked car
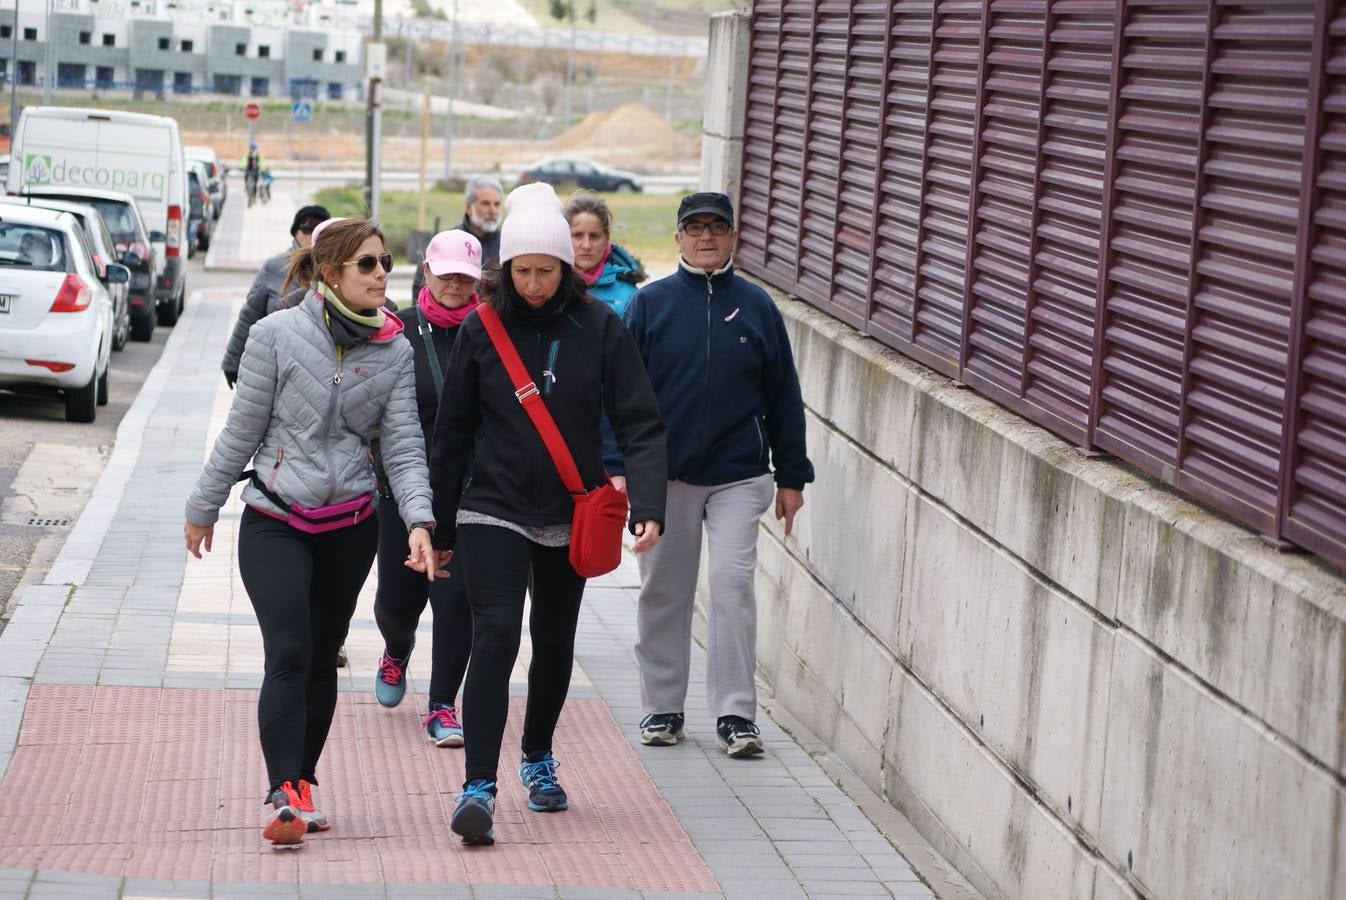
104,250
125,222
4,168
217,184
55,313
200,209
71,147
584,172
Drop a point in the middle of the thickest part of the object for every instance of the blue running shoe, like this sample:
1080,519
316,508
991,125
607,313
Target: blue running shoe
390,681
443,728
538,774
474,817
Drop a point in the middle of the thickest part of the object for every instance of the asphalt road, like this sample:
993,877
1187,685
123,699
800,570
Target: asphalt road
48,466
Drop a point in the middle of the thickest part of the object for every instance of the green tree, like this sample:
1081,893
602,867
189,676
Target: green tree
592,12
560,9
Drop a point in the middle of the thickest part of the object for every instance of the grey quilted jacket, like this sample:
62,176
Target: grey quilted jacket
263,299
308,432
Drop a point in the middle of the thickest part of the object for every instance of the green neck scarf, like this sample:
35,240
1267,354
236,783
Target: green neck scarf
348,326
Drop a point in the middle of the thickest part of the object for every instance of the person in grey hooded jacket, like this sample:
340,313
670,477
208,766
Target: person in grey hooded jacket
266,292
317,383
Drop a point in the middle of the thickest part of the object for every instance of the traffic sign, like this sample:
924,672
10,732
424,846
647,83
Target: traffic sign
252,111
301,111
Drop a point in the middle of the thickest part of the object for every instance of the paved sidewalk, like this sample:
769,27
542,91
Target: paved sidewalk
129,764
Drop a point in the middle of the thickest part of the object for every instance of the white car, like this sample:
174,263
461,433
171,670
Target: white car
55,314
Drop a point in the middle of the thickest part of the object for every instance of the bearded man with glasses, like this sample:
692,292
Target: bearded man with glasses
717,352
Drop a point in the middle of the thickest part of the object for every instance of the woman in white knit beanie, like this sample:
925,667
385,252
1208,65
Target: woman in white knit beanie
500,503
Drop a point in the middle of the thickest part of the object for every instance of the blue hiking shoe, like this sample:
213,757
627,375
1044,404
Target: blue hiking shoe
474,816
390,680
538,774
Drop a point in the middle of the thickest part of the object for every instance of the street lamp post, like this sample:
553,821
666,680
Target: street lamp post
448,94
14,74
49,46
374,61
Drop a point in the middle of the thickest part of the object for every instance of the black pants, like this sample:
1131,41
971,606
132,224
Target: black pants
497,565
401,598
303,588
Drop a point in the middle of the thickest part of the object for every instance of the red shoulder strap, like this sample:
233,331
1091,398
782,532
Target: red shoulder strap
531,400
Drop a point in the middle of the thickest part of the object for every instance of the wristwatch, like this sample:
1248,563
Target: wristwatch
428,526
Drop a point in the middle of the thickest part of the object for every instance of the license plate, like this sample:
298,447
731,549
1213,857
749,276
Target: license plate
6,301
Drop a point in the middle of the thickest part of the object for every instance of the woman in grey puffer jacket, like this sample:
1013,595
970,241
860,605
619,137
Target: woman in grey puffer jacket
317,383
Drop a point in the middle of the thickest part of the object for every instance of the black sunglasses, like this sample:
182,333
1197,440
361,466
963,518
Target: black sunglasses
365,264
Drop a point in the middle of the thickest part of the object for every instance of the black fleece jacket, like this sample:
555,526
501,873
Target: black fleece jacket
486,454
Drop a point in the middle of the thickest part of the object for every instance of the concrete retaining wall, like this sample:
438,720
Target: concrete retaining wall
1074,682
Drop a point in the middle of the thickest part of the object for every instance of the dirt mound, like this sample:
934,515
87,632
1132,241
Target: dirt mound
628,135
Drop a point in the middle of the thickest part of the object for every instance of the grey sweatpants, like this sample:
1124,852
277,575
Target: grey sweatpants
730,513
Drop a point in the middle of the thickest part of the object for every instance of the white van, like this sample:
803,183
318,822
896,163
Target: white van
141,155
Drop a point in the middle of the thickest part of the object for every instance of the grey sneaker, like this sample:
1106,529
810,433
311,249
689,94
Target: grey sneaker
661,729
738,736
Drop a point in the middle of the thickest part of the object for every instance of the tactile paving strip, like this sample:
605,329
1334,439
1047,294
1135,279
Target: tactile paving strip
167,784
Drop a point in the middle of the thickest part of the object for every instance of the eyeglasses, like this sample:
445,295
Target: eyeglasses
458,278
719,228
365,264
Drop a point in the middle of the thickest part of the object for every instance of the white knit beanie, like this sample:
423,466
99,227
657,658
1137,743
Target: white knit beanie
535,222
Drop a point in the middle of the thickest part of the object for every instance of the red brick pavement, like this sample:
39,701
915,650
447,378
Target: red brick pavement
151,783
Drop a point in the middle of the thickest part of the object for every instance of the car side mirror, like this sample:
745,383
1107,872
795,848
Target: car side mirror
158,236
131,259
117,274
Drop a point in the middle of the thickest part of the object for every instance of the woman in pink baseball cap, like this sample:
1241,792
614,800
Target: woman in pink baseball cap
452,267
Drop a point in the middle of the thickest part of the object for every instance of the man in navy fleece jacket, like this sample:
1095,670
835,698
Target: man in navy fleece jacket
718,355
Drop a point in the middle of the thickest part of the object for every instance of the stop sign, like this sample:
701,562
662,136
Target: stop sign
252,110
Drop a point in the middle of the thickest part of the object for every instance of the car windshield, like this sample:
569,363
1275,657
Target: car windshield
118,219
32,247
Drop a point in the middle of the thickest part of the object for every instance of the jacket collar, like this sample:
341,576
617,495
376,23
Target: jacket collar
700,277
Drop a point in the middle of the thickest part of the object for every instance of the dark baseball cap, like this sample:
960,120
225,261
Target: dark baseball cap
706,202
309,215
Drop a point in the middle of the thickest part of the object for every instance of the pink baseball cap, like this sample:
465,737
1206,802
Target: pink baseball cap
454,251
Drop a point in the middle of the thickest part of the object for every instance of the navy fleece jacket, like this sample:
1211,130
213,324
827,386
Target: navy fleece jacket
718,355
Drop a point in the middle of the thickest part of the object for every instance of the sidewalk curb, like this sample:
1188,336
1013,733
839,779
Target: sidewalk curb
86,538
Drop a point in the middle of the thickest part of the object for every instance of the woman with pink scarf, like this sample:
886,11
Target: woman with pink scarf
452,268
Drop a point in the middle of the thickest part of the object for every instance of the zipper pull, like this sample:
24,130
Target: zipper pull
336,379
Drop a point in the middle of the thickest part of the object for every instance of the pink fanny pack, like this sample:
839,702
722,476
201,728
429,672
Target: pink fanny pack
319,519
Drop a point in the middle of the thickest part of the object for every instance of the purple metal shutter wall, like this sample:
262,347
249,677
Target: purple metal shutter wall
901,165
1243,258
1314,478
1003,197
822,153
759,137
1058,358
1159,87
1096,211
946,186
856,202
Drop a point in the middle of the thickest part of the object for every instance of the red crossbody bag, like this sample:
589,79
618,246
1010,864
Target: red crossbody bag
600,514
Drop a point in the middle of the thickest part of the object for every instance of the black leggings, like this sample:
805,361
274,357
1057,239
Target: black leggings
497,565
401,598
303,588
